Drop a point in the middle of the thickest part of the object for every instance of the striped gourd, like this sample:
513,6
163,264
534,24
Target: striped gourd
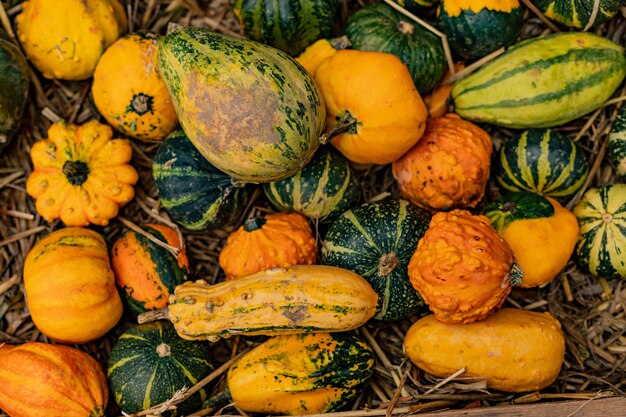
581,14
617,143
601,247
323,189
542,82
416,5
542,161
150,363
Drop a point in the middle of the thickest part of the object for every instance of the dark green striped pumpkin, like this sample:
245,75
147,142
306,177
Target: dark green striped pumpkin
617,143
150,363
579,13
377,240
416,5
195,194
323,189
380,28
13,88
601,248
542,161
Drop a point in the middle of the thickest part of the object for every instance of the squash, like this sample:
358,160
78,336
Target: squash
448,168
301,374
542,161
380,28
274,241
416,5
462,268
149,363
145,272
128,91
580,14
266,134
372,104
514,350
617,144
70,48
602,221
40,379
289,25
70,287
81,175
319,51
541,233
542,82
377,240
437,101
13,88
478,27
298,299
322,190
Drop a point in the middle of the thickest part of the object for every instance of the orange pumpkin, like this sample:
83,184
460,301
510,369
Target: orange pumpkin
320,51
437,101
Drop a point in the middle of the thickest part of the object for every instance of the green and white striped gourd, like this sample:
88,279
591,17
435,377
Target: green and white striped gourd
579,14
617,144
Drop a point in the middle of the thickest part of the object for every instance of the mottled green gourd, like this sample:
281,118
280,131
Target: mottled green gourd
377,240
617,144
13,88
416,5
579,14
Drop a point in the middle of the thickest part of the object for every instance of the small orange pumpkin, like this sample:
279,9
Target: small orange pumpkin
320,51
437,101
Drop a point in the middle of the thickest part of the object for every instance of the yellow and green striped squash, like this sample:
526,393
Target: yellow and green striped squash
617,143
579,14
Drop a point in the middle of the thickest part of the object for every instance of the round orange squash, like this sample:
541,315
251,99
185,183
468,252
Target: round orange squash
319,51
437,101
70,287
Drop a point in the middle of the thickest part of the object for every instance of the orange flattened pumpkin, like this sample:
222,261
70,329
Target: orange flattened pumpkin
449,166
462,268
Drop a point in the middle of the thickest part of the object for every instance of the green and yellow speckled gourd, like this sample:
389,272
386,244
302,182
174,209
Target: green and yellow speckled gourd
580,14
13,88
617,144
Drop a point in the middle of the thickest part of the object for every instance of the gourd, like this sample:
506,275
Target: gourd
542,82
617,144
542,161
128,91
149,363
373,110
437,101
462,268
146,272
70,287
377,240
319,51
541,233
416,5
266,134
194,193
81,175
41,379
515,350
448,168
13,88
581,14
70,48
298,299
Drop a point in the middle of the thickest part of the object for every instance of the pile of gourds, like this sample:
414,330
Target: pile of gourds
251,114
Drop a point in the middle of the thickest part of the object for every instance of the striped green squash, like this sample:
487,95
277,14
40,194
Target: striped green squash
416,5
617,143
150,363
380,28
542,82
13,87
601,248
323,189
377,240
579,13
195,194
542,161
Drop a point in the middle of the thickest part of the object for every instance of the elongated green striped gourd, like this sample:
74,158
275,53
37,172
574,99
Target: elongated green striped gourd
579,13
617,143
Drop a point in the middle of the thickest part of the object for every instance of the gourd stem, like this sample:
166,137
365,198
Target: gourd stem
516,274
254,224
218,400
388,262
153,315
340,43
347,123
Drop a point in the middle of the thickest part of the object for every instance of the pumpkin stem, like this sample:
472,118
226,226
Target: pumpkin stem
153,315
406,27
76,172
163,350
340,43
509,207
254,224
218,400
346,123
516,274
388,262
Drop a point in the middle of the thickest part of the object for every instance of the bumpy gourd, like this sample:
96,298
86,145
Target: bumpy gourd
13,88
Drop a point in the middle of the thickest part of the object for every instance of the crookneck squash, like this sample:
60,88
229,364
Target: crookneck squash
319,51
13,88
617,144
580,14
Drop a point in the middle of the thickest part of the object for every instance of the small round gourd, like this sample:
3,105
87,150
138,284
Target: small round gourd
617,144
416,5
13,88
579,14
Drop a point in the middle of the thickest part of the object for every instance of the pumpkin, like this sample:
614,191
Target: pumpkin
416,5
377,240
274,241
146,272
380,28
448,168
128,91
601,215
266,134
617,143
541,233
301,374
372,104
462,268
322,190
13,88
70,48
298,299
319,51
437,101
149,363
478,27
514,350
80,174
70,287
40,379
542,161
580,14
194,193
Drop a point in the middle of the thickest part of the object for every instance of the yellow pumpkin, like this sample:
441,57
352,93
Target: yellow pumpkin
65,38
128,91
320,51
80,174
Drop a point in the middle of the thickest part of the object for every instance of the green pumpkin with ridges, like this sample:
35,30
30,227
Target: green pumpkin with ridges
13,88
149,363
542,82
617,143
380,28
377,241
416,5
542,161
579,13
195,194
251,110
